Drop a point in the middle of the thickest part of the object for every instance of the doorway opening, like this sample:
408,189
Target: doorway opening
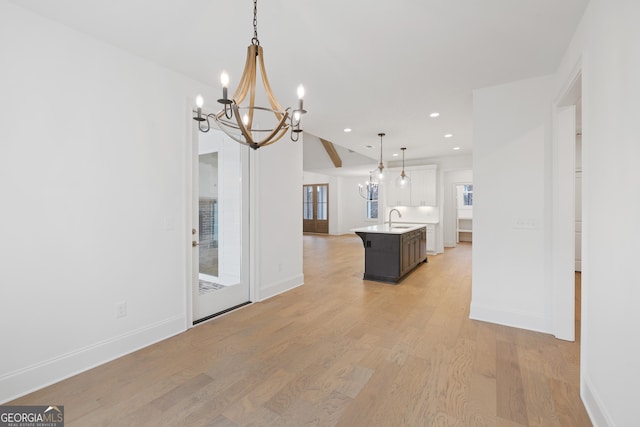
464,212
578,220
567,210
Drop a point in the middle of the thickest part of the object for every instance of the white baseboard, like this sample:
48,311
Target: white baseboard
27,380
280,287
449,244
593,404
516,319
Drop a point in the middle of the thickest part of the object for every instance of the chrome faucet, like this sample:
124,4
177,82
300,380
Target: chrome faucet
399,216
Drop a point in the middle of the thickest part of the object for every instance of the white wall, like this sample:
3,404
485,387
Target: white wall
277,189
511,204
93,175
511,149
92,170
353,207
607,46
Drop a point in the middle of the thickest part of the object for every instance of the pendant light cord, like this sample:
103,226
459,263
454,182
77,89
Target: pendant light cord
381,165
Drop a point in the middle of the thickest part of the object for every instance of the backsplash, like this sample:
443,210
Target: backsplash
414,213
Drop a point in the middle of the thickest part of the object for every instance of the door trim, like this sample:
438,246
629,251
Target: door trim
562,254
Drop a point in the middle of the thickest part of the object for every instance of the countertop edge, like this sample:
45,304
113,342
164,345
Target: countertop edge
374,229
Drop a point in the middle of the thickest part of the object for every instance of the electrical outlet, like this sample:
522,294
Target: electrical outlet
525,224
121,309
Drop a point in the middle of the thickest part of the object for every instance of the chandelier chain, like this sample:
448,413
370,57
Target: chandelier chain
255,40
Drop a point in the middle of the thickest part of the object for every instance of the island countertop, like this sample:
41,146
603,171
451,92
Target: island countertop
396,228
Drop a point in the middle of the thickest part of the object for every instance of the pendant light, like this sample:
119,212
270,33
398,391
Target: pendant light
381,165
403,180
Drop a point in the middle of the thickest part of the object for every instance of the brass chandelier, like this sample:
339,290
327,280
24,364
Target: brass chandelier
244,124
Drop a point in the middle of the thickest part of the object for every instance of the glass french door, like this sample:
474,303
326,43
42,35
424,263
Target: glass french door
315,208
220,225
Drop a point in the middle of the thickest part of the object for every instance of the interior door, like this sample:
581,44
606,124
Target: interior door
315,208
220,219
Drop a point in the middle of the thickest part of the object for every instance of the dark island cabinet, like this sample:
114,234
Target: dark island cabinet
414,249
389,257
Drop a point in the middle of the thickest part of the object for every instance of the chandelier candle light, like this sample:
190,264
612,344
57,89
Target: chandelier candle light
240,122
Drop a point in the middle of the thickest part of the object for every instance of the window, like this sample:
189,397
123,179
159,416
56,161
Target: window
308,202
372,201
322,202
467,195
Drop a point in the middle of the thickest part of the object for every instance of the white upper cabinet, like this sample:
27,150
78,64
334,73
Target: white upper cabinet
423,187
421,190
397,195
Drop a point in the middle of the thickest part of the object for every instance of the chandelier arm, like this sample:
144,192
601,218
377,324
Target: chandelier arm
360,192
208,128
243,129
245,79
226,128
228,113
236,139
277,138
252,92
265,81
282,126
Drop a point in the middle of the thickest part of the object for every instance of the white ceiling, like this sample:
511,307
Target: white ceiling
380,66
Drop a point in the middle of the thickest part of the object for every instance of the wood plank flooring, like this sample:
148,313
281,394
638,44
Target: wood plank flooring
339,351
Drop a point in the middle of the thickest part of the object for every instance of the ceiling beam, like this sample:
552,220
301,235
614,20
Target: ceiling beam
331,151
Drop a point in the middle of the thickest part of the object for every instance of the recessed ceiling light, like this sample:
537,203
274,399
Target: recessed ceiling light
448,135
395,154
434,114
347,130
456,148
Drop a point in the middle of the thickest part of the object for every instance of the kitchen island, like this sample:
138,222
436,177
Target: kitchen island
392,251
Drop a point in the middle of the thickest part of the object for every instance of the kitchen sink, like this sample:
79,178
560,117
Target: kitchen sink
401,226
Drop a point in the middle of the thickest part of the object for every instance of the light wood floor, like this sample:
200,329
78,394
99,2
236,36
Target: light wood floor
339,352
